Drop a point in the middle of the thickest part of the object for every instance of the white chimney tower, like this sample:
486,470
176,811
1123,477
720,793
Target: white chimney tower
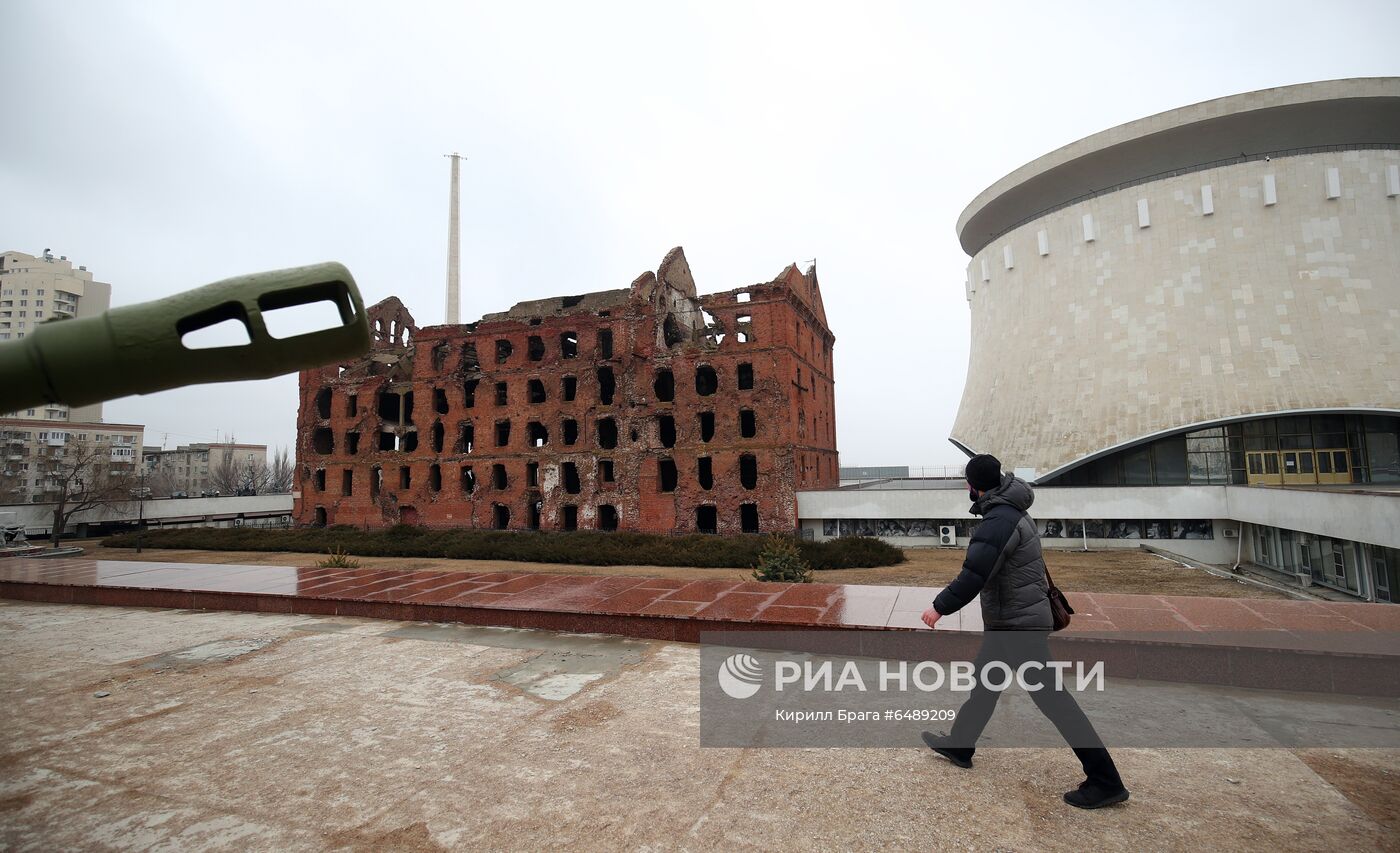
454,239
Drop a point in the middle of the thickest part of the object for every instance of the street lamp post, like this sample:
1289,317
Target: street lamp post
141,509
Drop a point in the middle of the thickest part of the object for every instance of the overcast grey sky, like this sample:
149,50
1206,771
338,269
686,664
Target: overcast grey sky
168,145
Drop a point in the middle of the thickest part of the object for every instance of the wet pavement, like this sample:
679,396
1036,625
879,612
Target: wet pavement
222,730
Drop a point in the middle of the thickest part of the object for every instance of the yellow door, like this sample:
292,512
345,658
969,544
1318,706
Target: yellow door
1333,466
1263,467
1298,468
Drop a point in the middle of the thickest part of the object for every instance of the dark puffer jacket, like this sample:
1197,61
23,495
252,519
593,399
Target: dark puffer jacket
1017,598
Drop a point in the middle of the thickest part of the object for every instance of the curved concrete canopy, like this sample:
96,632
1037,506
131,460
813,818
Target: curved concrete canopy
1363,111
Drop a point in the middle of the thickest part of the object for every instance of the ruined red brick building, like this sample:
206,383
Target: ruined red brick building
648,408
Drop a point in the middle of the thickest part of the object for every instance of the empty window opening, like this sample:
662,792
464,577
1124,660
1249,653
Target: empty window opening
570,516
352,442
323,403
388,441
390,406
672,331
535,348
665,386
538,435
666,471
435,477
502,433
501,394
748,518
706,380
607,433
500,516
570,301
466,438
470,360
320,479
605,470
352,404
320,516
405,477
666,430
535,321
705,472
748,471
605,343
707,426
409,442
532,474
503,351
469,393
706,519
347,482
568,345
438,434
743,296
570,431
748,423
743,332
607,385
570,388
440,401
323,440
440,356
376,481
468,480
499,480
535,392
745,376
607,517
569,472
535,508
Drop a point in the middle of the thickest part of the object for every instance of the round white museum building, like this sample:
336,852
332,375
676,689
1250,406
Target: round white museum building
1196,314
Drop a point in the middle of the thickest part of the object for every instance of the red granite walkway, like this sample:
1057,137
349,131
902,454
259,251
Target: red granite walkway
1292,645
654,607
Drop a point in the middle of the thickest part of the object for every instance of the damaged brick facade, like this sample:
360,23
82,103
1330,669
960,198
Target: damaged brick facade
646,409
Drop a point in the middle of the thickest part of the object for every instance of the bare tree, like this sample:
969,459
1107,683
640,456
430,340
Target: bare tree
279,473
82,475
227,476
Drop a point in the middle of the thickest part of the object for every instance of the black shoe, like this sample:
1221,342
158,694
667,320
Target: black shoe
939,744
1089,796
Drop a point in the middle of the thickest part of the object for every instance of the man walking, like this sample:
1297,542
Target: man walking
1004,567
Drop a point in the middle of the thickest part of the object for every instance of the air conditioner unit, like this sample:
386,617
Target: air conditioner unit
1230,533
947,535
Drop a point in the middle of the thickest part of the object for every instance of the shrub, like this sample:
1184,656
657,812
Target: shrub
781,562
586,547
338,560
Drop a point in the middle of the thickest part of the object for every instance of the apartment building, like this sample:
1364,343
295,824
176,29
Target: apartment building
35,289
34,455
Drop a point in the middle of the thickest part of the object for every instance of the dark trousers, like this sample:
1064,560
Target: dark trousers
1014,648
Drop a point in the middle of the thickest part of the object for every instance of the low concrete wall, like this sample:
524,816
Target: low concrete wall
1369,517
38,518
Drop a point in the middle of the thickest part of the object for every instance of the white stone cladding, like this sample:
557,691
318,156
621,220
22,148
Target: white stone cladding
1241,308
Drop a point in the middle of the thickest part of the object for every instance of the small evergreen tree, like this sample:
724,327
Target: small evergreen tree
780,562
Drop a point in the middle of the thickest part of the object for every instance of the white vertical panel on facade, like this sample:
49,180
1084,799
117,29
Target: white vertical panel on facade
1088,228
986,270
1270,190
1144,219
1334,182
1042,239
1392,181
1207,200
1006,257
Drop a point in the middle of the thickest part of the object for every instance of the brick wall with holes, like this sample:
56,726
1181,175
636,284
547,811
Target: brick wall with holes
647,409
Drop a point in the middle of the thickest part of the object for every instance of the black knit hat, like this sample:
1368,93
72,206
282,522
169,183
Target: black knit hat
984,472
